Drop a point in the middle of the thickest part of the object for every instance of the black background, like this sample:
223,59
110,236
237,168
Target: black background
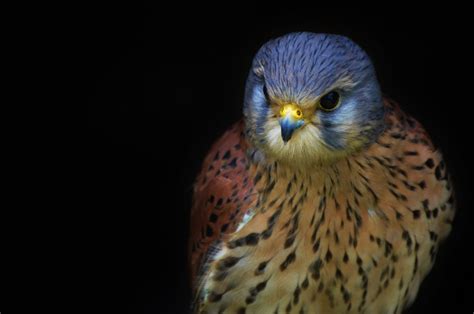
163,83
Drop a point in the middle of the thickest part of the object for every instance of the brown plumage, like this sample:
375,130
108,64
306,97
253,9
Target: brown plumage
367,231
355,233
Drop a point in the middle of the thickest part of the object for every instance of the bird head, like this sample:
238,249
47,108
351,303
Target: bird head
312,98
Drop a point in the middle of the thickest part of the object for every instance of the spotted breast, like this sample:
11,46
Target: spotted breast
357,236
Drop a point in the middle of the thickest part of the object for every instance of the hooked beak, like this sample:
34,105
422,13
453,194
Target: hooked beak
291,118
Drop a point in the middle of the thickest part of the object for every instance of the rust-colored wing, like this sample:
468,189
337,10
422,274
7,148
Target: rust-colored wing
222,195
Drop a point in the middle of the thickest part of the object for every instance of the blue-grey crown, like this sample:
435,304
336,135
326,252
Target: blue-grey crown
300,63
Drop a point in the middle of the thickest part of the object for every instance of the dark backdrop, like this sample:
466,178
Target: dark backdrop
164,83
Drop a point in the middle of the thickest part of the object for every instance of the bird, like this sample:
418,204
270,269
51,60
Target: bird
325,197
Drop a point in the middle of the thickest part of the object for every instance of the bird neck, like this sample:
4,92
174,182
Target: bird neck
337,170
347,176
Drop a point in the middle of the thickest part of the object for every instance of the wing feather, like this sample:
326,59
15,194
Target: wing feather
222,196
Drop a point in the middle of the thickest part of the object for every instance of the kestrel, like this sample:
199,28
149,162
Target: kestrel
325,198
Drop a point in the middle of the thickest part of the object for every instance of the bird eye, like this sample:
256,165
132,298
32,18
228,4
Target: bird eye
265,92
330,101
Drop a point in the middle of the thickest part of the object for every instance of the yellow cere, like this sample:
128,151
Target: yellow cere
291,110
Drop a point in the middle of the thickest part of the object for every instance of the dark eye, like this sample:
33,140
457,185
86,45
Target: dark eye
329,101
265,92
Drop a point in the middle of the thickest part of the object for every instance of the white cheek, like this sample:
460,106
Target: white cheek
274,134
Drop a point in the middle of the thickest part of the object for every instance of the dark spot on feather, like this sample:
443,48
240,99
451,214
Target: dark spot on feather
428,214
316,245
407,238
345,258
378,241
261,268
305,283
250,299
289,259
211,199
388,248
396,135
328,255
315,268
224,227
398,215
416,214
209,231
433,236
220,276
409,186
233,163
261,286
429,163
321,286
267,233
227,262
438,173
289,241
257,178
213,217
402,172
345,294
226,155
214,297
450,199
252,239
425,203
296,295
374,262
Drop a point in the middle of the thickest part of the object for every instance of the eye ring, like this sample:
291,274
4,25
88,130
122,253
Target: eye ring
330,101
298,113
